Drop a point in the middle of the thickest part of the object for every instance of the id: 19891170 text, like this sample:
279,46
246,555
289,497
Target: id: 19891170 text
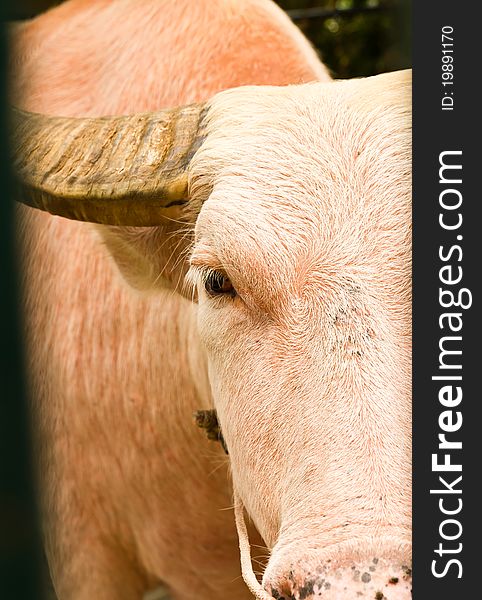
447,38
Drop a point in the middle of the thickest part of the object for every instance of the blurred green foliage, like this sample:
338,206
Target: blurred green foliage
364,38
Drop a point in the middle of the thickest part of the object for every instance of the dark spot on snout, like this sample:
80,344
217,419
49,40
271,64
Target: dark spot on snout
407,571
306,590
366,577
379,596
393,580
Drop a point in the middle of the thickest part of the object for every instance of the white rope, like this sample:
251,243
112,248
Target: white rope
245,552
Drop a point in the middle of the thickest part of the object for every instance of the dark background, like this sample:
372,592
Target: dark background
354,38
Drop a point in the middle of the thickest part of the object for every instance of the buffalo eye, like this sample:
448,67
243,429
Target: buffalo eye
218,284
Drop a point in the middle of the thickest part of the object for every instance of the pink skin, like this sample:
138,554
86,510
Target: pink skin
308,367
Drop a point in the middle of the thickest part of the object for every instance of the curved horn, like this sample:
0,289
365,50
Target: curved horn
127,170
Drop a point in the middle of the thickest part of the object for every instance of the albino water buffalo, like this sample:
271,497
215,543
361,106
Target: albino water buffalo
252,255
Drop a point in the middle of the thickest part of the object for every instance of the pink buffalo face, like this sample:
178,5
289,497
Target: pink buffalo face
302,266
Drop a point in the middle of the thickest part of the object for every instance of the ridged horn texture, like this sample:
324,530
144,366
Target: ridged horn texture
128,170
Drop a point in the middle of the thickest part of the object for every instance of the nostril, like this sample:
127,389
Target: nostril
298,588
281,595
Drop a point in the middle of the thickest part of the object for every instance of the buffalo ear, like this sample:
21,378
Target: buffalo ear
151,258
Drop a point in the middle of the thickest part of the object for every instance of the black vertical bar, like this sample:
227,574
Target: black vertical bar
20,571
446,120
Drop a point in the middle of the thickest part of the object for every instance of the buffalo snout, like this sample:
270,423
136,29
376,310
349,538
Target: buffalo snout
370,578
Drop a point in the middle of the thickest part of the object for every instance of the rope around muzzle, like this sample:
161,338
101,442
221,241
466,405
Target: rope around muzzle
245,551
